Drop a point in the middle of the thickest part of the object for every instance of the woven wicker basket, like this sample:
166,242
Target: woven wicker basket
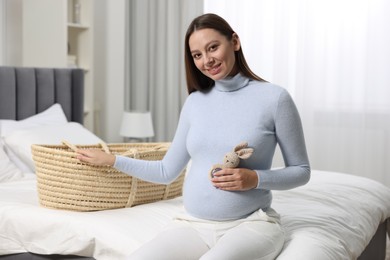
66,183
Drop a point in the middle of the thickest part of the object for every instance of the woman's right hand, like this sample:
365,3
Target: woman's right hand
95,156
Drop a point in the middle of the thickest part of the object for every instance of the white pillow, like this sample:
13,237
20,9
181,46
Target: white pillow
52,116
17,161
20,142
8,170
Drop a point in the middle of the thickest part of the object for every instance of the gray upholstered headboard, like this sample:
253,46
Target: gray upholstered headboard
27,91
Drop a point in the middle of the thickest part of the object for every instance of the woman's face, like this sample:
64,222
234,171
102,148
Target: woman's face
213,53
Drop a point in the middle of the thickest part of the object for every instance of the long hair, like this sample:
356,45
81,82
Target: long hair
196,80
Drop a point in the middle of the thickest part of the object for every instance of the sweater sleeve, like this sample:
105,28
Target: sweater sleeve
290,137
169,168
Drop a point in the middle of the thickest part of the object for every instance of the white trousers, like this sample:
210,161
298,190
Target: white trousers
259,236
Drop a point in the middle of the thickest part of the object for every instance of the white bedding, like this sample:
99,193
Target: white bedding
334,216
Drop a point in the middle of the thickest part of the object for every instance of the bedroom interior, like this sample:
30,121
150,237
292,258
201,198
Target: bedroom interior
336,70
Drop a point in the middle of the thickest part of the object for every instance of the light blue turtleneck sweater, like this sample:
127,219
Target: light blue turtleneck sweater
211,124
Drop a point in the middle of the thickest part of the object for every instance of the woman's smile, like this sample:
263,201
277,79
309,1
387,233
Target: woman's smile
215,69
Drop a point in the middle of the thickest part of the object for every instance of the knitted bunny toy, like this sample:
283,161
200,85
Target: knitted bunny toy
232,159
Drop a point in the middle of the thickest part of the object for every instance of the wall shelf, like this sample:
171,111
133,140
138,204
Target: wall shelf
78,26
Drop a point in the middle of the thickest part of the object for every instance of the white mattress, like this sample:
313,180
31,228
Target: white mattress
334,216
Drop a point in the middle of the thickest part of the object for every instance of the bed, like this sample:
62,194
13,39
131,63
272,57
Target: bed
334,216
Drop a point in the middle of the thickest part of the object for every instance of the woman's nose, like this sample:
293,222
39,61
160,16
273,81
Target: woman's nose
208,60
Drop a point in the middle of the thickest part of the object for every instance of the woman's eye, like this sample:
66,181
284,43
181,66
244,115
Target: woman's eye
213,47
196,56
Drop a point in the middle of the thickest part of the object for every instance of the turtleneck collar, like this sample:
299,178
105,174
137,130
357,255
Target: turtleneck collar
229,84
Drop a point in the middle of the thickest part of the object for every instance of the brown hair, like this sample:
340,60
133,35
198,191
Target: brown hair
196,80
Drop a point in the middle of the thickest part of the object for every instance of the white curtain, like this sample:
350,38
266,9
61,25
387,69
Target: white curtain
333,56
156,76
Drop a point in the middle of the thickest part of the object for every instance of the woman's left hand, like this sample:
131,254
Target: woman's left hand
235,179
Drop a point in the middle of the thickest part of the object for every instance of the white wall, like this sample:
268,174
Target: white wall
2,27
109,58
10,32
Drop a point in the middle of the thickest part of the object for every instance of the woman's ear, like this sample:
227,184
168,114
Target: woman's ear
236,42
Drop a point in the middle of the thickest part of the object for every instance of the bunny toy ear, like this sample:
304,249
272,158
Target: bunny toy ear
240,146
245,153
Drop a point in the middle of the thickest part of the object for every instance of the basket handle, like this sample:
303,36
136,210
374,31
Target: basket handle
161,146
135,152
132,151
74,148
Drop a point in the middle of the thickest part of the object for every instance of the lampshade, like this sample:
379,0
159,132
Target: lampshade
136,125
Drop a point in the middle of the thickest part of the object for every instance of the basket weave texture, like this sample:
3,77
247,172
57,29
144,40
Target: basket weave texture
66,183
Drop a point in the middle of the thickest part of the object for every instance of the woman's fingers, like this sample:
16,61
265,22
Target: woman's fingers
235,179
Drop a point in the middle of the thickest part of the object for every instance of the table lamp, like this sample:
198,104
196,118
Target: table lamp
136,125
